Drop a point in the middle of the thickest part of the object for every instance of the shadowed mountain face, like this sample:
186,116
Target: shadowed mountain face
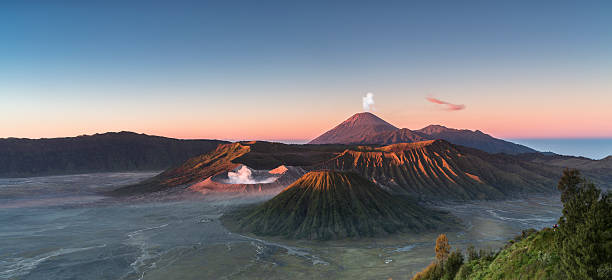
355,129
193,170
330,205
368,129
403,135
597,171
474,139
108,152
580,163
437,169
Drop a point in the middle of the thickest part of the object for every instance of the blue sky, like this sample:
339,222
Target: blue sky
290,70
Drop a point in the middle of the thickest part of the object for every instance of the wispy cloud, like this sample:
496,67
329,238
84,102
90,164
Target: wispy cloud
448,106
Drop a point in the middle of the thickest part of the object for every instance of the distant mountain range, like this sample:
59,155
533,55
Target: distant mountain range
364,144
107,152
368,129
597,171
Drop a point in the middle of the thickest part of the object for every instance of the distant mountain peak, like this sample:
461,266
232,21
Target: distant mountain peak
437,129
353,129
365,119
434,128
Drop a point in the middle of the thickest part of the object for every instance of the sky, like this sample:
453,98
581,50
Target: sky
285,70
594,148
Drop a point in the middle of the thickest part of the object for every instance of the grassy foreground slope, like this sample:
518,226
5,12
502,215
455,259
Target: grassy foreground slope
534,257
579,248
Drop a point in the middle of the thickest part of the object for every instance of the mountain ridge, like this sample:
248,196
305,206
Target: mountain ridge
433,169
259,155
102,152
438,169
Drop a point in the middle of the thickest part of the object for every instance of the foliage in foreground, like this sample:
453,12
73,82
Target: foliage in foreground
446,264
585,230
581,248
533,257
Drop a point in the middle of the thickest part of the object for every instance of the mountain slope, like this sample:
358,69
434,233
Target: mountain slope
433,169
403,135
597,171
581,163
474,139
272,182
108,152
256,154
354,129
331,205
437,169
193,170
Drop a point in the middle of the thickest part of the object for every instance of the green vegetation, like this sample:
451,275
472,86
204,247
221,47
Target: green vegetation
533,257
446,264
580,248
585,230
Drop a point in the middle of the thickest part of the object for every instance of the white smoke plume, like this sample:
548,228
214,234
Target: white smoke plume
368,101
244,175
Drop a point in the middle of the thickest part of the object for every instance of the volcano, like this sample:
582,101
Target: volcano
331,205
211,171
355,129
264,182
368,129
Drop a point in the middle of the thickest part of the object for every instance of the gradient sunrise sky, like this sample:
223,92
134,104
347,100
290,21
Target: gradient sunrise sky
292,70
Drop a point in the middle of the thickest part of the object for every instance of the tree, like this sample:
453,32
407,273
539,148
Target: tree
584,237
452,265
442,248
445,266
568,185
472,254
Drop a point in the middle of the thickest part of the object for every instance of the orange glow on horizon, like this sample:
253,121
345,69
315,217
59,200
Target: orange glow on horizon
300,131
